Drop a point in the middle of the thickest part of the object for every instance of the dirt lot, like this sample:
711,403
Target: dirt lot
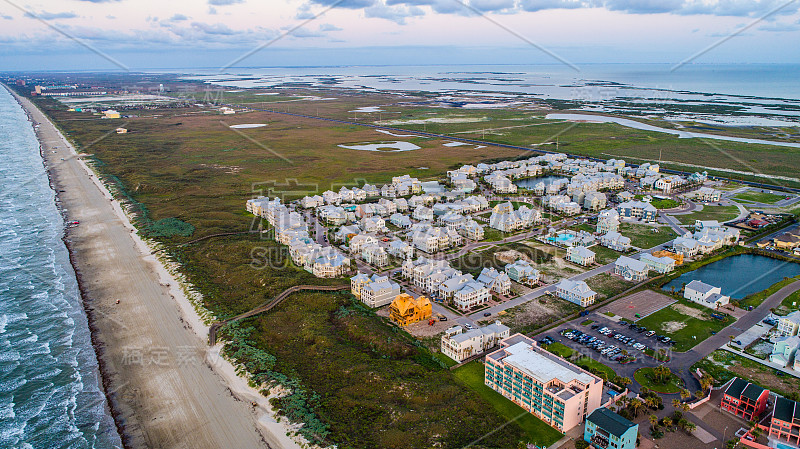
557,268
534,314
690,311
644,303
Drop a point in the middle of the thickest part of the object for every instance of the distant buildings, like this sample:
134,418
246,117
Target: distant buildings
705,295
554,390
406,310
460,345
605,429
576,292
637,210
707,194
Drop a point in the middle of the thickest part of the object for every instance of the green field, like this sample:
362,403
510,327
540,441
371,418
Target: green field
790,304
560,349
759,197
607,285
719,213
596,367
603,255
664,204
645,237
756,299
644,377
536,430
685,329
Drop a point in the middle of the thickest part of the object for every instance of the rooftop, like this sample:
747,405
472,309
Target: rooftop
610,421
543,368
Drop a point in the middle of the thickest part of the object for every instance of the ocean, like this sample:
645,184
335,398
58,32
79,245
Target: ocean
50,393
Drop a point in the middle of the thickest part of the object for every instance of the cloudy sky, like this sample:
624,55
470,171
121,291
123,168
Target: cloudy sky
105,34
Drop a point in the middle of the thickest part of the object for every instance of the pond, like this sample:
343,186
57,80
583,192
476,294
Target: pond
388,147
739,276
529,183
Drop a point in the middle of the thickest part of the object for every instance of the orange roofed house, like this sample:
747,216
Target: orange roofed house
406,310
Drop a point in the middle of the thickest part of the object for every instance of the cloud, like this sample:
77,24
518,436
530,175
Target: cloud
397,14
214,29
347,4
329,27
100,1
7,17
178,18
493,5
51,15
303,33
224,2
539,5
780,27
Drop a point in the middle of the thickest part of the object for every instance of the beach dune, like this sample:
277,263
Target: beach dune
164,390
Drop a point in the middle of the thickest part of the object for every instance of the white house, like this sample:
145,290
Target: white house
577,292
615,241
496,281
401,249
630,269
522,272
658,264
423,213
789,324
374,292
704,294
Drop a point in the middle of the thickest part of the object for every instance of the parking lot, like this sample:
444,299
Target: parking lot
610,342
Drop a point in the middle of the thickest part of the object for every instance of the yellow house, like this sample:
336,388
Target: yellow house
677,257
406,310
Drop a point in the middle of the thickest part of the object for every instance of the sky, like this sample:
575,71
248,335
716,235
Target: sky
142,34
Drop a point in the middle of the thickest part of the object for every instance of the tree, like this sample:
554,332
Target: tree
690,427
654,421
636,405
685,394
706,382
581,444
667,422
652,401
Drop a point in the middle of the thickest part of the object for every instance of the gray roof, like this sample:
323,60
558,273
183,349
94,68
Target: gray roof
700,286
610,421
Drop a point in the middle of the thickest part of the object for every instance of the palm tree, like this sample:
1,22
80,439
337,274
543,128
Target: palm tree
653,420
636,405
667,421
651,402
685,394
690,427
676,403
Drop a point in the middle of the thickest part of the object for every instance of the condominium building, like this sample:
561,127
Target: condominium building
785,423
460,345
554,390
374,292
605,429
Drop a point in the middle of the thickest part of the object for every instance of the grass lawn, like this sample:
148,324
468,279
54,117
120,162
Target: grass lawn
537,431
644,376
664,204
604,255
643,236
759,197
757,298
586,322
607,285
724,365
515,204
494,235
596,367
719,213
789,305
685,322
584,227
560,350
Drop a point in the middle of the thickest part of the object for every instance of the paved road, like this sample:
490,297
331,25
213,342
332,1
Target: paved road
164,404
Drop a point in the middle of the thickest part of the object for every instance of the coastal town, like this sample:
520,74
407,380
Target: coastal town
590,375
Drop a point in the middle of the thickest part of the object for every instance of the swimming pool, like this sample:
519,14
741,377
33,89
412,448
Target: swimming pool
563,237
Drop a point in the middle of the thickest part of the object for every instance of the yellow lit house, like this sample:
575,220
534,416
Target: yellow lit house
406,310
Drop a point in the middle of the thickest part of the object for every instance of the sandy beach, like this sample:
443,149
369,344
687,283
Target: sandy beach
166,387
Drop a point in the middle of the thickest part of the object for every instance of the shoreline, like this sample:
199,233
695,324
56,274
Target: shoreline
127,400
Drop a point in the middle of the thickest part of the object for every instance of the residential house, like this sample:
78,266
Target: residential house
331,265
607,223
615,241
401,204
335,215
580,255
707,195
630,269
371,191
400,220
471,230
785,423
375,255
605,429
522,272
704,294
423,213
638,210
552,389
359,241
497,281
685,246
308,202
789,325
331,197
470,294
388,191
624,196
594,201
784,352
374,292
658,264
373,224
576,292
401,249
345,233
460,345
388,205
744,399
405,309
